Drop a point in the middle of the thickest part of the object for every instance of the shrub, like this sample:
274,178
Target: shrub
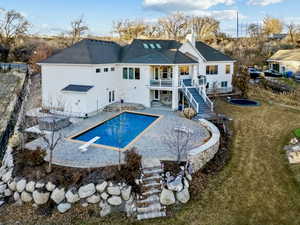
189,113
297,133
33,158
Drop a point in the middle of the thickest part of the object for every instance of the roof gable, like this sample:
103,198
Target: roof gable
286,55
211,54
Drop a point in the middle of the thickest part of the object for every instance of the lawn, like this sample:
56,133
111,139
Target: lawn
256,187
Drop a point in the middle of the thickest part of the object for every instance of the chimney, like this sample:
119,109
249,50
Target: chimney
192,37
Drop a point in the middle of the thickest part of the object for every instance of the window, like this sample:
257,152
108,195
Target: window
137,74
212,69
165,73
184,70
105,69
228,69
158,45
109,97
224,84
112,69
125,73
152,46
131,74
146,45
113,96
98,70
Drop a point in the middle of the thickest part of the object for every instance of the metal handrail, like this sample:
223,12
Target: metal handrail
190,97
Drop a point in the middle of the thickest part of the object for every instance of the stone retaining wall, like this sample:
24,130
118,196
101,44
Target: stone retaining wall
198,157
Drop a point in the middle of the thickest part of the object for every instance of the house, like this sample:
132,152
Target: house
285,60
92,74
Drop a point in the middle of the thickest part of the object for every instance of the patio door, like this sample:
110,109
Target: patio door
156,73
156,95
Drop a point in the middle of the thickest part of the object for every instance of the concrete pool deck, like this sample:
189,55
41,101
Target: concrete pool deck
150,144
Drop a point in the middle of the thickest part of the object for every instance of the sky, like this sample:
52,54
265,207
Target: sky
54,16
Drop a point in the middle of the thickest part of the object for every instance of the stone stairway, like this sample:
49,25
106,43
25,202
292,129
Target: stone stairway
148,206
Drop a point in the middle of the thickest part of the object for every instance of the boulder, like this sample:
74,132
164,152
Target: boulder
93,199
50,187
3,170
105,209
114,200
176,184
7,176
188,176
183,196
2,203
104,196
40,198
26,197
20,186
16,196
39,184
114,190
167,197
86,190
7,192
101,187
63,207
185,182
30,186
12,185
2,188
126,192
58,195
72,196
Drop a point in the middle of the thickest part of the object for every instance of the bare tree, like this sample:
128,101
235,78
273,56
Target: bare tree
254,30
272,25
178,141
175,26
51,141
129,29
292,31
206,28
78,29
13,25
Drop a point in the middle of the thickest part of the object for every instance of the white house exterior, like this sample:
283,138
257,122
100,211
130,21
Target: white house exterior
285,60
90,75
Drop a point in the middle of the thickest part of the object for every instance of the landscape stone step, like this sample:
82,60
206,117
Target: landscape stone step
156,207
149,199
156,176
153,171
151,192
151,215
153,184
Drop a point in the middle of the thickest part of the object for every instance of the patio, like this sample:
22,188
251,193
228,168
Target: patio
150,145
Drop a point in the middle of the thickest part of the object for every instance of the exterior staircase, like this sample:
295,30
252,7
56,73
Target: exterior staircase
148,206
202,108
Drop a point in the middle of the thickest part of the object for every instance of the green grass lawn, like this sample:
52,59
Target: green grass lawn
256,187
297,133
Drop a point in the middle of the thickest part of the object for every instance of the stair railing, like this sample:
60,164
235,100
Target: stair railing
190,97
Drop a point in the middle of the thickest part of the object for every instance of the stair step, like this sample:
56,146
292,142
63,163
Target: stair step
151,215
156,207
151,192
154,177
149,199
153,184
152,171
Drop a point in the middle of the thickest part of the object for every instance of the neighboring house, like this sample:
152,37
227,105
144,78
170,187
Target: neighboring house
92,74
285,60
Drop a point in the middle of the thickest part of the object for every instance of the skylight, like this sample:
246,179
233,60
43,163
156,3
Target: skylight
158,45
146,45
152,46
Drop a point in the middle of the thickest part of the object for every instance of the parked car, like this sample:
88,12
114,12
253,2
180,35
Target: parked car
297,76
253,72
272,73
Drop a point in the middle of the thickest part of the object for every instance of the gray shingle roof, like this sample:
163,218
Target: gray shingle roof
90,51
77,88
211,54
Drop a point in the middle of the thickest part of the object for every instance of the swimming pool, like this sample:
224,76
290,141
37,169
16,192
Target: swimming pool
119,131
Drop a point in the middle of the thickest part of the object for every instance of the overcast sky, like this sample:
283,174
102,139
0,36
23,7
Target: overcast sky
54,16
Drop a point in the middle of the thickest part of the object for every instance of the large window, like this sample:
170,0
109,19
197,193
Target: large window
224,84
125,73
98,70
137,74
228,69
184,70
105,69
212,69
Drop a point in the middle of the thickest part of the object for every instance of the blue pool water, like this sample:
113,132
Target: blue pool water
119,131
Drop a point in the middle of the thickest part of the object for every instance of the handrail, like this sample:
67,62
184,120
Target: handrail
161,83
190,97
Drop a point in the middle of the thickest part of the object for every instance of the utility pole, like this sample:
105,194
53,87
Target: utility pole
237,24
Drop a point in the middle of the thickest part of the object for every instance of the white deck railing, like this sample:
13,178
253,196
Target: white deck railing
161,83
190,97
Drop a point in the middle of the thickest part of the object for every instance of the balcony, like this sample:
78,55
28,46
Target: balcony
161,83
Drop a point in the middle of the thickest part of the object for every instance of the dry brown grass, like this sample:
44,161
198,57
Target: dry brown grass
256,187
